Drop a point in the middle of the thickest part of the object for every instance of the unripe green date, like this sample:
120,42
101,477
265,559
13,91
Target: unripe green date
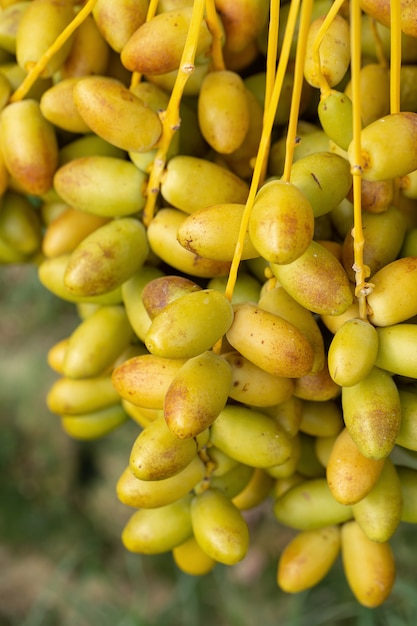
223,111
281,223
131,291
158,454
270,341
233,482
114,113
74,396
67,230
335,111
219,527
374,92
33,158
145,379
190,325
307,558
102,185
158,530
150,494
107,257
250,437
197,394
396,349
388,147
20,226
408,479
372,413
310,505
352,352
97,342
317,281
191,183
213,232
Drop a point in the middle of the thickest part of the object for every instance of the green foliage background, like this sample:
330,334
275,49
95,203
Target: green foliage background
61,559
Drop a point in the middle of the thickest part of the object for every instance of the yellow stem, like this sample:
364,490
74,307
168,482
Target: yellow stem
395,63
331,14
263,144
171,117
152,8
361,272
213,24
297,88
40,65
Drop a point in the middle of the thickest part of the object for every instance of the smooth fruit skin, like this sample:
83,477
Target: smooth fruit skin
307,558
158,530
191,559
390,301
334,52
407,435
197,394
75,396
350,474
95,424
352,352
396,349
190,325
369,566
372,413
219,527
250,437
281,223
118,21
107,257
270,342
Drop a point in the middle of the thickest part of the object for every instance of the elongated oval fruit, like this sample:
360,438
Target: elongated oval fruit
374,92
324,178
20,225
219,527
156,46
381,12
396,349
316,280
132,290
97,342
277,300
213,233
73,396
281,223
389,301
159,292
107,257
407,435
158,454
383,158
94,424
191,183
197,394
251,385
232,482
408,479
335,111
223,110
57,106
118,21
250,437
321,419
309,504
372,413
162,237
51,274
307,558
270,342
33,158
190,325
257,489
114,113
41,23
368,565
154,531
191,559
89,54
66,231
350,474
145,379
150,494
379,512
334,52
352,352
103,185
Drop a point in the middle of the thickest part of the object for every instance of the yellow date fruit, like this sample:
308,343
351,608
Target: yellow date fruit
95,424
352,352
333,53
307,558
396,349
191,559
160,291
219,527
118,21
389,301
73,396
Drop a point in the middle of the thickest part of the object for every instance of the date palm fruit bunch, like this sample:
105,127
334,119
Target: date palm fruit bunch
226,190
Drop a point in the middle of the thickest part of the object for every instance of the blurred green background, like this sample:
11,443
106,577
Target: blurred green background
61,558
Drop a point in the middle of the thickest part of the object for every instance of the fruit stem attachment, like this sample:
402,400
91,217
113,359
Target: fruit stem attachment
40,65
170,118
137,76
217,34
361,272
331,14
264,143
305,17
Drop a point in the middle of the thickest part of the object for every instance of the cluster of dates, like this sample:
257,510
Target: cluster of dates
260,329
